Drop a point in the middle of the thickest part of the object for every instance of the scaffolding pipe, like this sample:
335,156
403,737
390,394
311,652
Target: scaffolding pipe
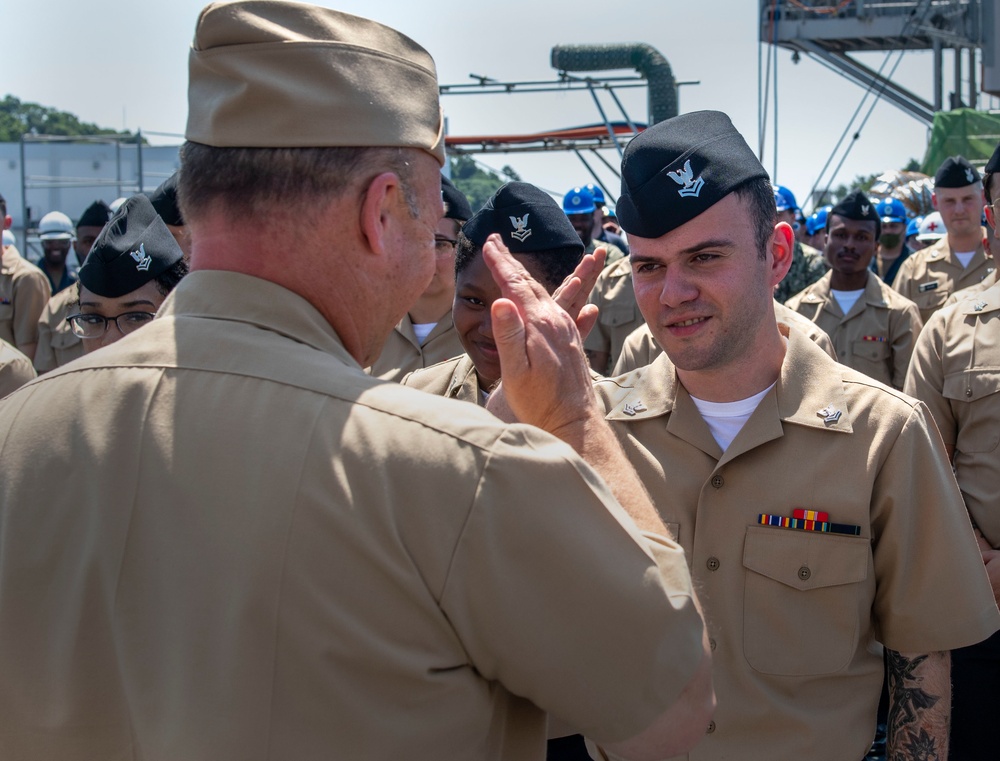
645,59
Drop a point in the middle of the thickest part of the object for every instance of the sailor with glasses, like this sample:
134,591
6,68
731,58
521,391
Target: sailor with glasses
426,335
134,263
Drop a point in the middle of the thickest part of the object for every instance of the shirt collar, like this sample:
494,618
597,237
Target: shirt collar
219,295
810,384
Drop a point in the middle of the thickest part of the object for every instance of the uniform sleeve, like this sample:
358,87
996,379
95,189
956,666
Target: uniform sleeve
599,339
14,374
45,358
903,282
906,326
925,377
555,594
31,293
932,591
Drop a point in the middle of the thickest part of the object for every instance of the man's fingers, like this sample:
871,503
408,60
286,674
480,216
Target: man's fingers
514,281
587,319
509,336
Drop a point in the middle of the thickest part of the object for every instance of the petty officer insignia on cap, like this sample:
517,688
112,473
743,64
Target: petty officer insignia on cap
700,151
692,185
142,261
521,229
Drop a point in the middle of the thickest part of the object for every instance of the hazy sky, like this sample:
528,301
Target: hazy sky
124,64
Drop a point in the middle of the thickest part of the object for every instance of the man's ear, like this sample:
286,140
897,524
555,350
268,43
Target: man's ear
7,221
934,200
380,203
782,247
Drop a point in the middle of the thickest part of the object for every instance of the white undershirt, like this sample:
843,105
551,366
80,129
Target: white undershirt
965,257
847,299
423,329
726,419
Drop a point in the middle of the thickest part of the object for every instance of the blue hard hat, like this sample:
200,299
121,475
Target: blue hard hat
578,201
914,226
597,193
817,220
891,210
784,199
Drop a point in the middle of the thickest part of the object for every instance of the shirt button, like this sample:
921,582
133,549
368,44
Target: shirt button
968,392
711,727
711,643
718,481
712,564
804,573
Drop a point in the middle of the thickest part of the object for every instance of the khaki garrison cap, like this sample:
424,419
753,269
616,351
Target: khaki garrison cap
278,74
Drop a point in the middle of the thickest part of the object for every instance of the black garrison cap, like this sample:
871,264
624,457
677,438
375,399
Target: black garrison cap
456,205
131,250
164,200
528,220
679,168
95,215
858,207
956,172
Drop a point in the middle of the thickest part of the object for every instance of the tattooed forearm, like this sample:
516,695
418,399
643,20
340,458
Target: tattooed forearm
919,706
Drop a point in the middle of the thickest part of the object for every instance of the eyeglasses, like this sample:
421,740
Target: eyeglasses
444,246
96,325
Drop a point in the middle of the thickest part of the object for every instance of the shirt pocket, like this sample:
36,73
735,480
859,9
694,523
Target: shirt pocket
617,315
802,600
66,345
931,299
872,358
980,434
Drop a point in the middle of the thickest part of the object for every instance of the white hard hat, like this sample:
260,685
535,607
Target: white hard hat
56,226
932,228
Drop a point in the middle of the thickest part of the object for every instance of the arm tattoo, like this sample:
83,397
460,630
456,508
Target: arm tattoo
909,702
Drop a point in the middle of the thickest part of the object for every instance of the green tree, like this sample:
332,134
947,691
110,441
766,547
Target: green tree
18,118
477,184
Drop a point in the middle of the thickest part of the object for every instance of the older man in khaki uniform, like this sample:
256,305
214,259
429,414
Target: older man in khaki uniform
255,550
873,328
817,509
958,260
956,372
24,291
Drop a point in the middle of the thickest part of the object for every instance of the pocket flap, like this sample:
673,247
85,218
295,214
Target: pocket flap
618,314
806,559
872,350
970,385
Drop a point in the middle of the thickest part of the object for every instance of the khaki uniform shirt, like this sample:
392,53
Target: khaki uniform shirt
875,337
403,353
972,290
255,551
795,617
956,372
619,314
57,343
24,291
932,274
454,378
15,369
640,348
